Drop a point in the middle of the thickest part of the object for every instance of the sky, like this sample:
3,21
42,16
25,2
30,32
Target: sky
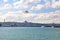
40,11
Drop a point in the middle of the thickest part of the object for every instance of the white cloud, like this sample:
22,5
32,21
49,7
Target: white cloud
45,17
32,1
36,18
37,7
20,4
55,3
47,4
5,0
6,6
26,4
15,16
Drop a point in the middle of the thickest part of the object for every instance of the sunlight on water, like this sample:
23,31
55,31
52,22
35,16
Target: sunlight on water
29,33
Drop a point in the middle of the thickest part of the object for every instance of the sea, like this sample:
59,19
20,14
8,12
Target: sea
29,33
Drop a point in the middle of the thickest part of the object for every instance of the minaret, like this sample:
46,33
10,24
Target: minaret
4,20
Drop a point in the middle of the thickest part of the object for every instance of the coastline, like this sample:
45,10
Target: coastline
27,24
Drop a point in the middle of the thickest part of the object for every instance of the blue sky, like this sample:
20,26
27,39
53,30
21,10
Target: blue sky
14,9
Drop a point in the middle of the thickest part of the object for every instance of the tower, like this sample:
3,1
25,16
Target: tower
4,20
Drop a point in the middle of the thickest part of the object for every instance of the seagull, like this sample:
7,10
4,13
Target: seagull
26,12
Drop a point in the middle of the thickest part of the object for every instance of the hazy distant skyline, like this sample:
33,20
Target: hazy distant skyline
40,11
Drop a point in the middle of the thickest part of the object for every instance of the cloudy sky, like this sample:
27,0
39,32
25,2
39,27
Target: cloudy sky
40,11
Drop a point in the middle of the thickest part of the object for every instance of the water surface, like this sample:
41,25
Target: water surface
29,33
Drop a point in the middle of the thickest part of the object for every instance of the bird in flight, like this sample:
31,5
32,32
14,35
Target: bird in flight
26,12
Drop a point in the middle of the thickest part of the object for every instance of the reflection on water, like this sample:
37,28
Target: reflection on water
29,33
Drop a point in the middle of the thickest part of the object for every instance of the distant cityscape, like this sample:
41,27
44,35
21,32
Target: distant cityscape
26,24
